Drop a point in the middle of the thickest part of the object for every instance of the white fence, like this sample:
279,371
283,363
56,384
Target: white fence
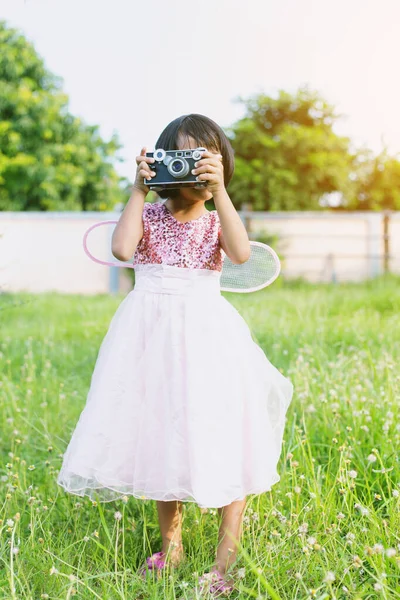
42,251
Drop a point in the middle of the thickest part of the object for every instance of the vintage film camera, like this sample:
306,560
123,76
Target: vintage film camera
173,169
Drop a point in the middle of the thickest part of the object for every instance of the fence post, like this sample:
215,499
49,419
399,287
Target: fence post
386,241
113,281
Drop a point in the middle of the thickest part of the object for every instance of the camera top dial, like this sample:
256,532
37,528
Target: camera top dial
197,153
159,154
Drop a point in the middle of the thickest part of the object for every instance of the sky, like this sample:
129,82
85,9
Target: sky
132,67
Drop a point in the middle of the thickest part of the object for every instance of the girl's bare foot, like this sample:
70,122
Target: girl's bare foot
176,554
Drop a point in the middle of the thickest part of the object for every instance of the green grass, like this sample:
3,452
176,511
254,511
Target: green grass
329,529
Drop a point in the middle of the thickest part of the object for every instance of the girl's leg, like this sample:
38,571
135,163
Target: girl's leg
232,520
170,518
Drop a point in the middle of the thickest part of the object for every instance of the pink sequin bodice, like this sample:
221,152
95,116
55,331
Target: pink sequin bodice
194,244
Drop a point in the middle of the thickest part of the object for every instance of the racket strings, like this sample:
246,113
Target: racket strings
260,268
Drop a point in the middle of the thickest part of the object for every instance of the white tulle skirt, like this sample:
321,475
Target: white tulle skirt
183,404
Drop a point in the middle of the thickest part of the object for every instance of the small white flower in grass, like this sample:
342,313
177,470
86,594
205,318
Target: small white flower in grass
297,489
72,577
10,523
298,576
395,493
353,474
15,550
53,571
377,587
125,499
391,552
357,562
117,516
378,548
371,458
364,511
311,541
86,538
303,528
241,573
341,516
329,577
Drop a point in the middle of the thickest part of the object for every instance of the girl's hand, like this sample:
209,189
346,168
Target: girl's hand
211,169
143,170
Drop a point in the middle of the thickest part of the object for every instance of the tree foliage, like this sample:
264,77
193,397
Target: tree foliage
286,153
49,159
378,182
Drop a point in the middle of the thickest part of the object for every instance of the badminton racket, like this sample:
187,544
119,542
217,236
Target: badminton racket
260,270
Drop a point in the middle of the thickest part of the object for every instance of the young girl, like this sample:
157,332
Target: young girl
183,405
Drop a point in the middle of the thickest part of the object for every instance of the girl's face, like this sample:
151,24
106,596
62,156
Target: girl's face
191,194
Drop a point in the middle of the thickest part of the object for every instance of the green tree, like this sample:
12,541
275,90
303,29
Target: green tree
49,159
287,155
378,181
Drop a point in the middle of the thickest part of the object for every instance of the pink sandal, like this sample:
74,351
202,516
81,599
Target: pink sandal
155,561
215,583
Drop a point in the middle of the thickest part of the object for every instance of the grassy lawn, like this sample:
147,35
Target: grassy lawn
329,529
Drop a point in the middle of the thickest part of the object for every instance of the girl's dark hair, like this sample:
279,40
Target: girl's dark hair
207,135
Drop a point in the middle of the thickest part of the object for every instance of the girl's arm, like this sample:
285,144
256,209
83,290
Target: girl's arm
129,229
233,237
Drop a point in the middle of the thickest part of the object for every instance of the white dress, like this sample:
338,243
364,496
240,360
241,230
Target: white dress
183,404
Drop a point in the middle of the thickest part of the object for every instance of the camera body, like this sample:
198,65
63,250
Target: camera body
173,169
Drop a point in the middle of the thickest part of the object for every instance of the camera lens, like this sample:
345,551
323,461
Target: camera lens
178,167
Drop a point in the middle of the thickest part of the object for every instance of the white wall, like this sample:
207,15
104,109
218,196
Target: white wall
42,251
322,246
